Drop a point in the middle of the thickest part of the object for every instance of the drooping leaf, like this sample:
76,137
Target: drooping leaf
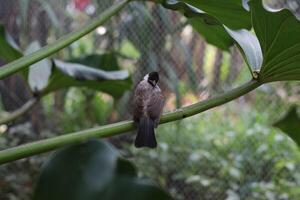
209,16
88,71
189,10
230,13
290,124
246,5
213,34
249,46
90,171
106,61
8,48
66,74
82,72
279,35
39,73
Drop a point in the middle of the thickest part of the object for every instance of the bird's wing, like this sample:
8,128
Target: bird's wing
140,100
155,106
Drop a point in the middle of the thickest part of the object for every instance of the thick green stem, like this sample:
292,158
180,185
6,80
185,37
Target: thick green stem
42,146
48,50
210,103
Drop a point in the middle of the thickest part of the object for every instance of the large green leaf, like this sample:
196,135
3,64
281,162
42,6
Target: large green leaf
274,53
87,71
230,13
250,48
91,171
213,34
209,16
189,10
46,76
106,61
8,49
279,36
66,74
290,124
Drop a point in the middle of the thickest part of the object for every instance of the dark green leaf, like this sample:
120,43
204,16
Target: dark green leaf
76,172
107,61
8,48
133,188
189,11
66,74
213,34
279,37
87,73
92,171
208,17
290,124
125,168
249,46
232,13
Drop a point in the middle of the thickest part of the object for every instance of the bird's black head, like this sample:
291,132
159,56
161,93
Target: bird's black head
153,78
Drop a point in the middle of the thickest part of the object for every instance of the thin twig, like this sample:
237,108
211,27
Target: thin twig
10,117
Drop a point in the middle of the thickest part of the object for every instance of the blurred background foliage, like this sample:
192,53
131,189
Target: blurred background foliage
230,152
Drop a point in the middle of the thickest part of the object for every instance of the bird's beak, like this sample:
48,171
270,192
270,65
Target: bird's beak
153,83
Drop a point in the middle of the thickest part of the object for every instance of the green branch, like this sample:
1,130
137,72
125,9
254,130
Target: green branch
42,146
48,50
19,112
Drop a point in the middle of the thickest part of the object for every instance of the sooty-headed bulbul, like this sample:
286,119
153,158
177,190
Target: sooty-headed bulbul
148,106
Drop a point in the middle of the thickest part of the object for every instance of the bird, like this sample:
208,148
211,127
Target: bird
148,107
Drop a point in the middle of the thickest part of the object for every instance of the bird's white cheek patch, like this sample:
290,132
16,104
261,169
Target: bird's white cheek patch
146,77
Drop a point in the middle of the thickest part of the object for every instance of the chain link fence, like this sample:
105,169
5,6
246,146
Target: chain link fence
230,152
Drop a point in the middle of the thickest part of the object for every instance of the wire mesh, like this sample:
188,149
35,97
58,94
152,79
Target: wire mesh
221,154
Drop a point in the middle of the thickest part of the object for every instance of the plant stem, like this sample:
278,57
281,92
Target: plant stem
19,112
210,103
45,145
48,50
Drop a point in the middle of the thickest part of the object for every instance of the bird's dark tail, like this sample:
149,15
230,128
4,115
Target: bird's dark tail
145,134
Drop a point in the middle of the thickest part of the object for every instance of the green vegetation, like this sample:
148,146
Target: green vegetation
113,178
222,153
